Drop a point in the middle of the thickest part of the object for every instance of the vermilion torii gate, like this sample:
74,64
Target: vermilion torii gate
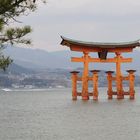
102,49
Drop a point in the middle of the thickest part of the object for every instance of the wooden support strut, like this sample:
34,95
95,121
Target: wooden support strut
110,79
74,84
131,83
95,84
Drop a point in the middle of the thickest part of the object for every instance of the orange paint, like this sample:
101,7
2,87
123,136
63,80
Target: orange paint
89,47
74,78
110,79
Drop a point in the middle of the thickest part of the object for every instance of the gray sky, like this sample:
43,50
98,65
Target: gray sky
87,20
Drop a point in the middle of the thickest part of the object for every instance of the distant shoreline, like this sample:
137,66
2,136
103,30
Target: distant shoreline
51,89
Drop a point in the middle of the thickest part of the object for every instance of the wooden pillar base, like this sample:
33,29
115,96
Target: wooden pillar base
85,97
132,97
120,97
74,98
95,98
110,96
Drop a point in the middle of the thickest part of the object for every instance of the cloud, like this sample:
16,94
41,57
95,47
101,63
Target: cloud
90,20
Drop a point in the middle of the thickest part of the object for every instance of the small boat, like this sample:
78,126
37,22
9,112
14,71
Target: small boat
6,89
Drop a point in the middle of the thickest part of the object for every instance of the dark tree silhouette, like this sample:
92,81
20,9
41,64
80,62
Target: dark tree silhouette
10,10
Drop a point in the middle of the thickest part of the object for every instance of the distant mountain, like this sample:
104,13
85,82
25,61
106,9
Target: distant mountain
39,59
16,70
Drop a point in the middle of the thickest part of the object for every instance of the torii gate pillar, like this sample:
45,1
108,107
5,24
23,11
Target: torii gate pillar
85,95
120,94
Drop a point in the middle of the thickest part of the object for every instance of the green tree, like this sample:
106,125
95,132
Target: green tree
10,10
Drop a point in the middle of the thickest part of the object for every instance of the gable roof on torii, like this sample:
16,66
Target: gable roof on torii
76,45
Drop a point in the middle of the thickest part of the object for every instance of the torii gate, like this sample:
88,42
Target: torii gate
102,49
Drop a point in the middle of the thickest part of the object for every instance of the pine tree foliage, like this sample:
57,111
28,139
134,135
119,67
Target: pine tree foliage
10,10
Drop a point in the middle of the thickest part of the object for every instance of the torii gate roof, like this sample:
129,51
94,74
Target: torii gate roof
70,42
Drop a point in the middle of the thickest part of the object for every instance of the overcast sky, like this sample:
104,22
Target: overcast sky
87,20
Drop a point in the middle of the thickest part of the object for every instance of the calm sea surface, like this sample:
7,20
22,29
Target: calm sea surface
52,115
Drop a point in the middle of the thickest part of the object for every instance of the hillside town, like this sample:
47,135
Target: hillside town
18,77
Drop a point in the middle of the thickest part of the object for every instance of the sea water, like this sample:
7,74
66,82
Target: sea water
52,115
